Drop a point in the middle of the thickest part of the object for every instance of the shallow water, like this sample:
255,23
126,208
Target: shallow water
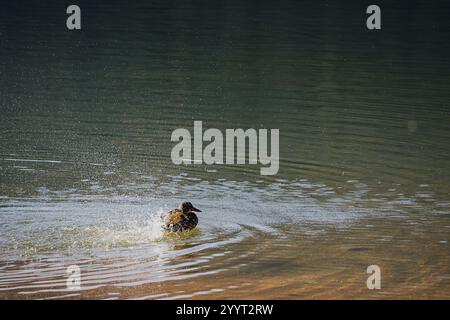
85,168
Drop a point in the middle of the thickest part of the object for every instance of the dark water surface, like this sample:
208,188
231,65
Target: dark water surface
85,167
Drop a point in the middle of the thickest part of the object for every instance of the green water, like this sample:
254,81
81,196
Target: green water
85,167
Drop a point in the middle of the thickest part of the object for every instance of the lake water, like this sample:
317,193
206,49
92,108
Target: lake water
85,167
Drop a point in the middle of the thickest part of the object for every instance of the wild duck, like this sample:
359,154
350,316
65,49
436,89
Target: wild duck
181,219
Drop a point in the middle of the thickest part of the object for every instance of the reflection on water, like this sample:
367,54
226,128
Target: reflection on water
85,167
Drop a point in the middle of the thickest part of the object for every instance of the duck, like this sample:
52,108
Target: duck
182,218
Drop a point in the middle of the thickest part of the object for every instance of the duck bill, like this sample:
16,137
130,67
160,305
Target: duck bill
196,210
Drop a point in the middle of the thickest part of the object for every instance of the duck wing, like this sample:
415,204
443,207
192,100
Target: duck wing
174,217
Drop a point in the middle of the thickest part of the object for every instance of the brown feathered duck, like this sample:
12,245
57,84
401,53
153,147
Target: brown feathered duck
181,219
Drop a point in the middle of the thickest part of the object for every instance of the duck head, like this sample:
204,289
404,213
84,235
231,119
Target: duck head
186,207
